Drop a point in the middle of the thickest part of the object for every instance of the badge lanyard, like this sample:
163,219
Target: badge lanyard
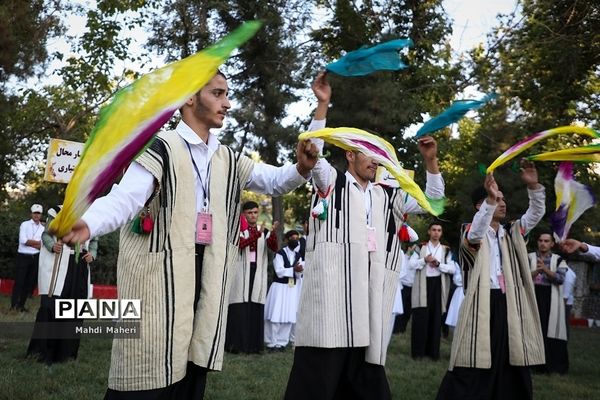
370,210
371,232
204,218
205,187
499,272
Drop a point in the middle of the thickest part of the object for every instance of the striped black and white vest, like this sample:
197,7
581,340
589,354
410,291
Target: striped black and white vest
471,347
159,269
240,288
347,292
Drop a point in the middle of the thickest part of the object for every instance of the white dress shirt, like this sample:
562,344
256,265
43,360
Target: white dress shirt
407,274
457,277
127,198
437,251
29,230
480,229
593,252
569,285
367,195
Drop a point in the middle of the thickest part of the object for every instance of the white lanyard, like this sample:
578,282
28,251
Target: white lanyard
434,253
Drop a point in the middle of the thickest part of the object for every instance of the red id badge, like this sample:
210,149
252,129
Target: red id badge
204,228
371,239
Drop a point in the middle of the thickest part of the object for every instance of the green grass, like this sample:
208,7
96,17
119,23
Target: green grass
265,376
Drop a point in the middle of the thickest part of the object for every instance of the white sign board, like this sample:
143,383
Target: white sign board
63,157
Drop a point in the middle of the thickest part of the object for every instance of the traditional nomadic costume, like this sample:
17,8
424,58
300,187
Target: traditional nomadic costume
245,321
551,306
429,298
282,300
498,335
60,276
182,280
349,287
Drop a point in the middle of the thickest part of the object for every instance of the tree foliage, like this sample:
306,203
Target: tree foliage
543,60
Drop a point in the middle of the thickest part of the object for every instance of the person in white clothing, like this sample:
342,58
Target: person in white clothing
30,241
457,299
282,300
568,291
434,269
407,277
399,310
62,275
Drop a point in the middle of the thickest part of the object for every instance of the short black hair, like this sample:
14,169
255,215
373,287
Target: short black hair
478,195
546,232
249,205
435,223
291,233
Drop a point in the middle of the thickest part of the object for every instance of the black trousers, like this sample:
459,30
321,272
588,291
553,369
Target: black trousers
25,279
193,384
246,324
568,310
500,382
557,356
59,350
426,327
191,387
335,374
446,328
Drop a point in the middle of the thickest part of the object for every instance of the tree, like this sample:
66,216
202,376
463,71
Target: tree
389,102
544,63
25,28
264,75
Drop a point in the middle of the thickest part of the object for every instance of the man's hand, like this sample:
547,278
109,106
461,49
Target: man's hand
275,226
428,149
540,267
57,247
321,88
307,156
491,187
571,246
431,260
529,174
88,258
322,91
298,267
80,233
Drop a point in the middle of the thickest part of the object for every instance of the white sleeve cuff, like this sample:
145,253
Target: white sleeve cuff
316,125
434,186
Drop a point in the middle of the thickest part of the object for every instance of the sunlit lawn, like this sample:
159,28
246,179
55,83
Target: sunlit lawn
265,376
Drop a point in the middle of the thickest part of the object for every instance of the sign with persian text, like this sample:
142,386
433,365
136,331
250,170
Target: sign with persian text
63,157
